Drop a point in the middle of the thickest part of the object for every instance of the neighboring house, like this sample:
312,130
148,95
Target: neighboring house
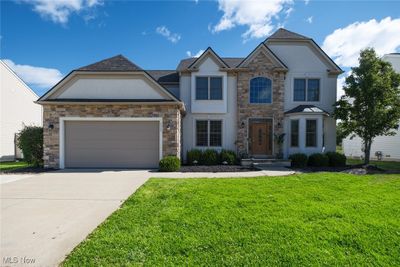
115,114
387,146
17,109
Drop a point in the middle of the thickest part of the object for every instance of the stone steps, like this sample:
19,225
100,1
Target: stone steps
265,162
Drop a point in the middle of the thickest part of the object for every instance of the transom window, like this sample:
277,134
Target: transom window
208,88
294,133
260,90
208,133
306,89
311,133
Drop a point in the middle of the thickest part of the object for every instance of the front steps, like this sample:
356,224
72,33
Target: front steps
265,163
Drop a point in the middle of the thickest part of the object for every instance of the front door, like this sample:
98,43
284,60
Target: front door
260,138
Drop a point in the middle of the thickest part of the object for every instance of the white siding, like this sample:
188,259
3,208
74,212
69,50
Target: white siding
209,68
16,109
388,145
229,128
302,62
110,88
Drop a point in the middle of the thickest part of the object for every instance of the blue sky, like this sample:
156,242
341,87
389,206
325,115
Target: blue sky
43,40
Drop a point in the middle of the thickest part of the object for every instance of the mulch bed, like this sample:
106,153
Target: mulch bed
217,168
27,170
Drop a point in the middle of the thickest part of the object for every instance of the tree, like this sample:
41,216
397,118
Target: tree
30,141
371,104
340,134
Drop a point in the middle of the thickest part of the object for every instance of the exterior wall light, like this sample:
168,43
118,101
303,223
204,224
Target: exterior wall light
51,126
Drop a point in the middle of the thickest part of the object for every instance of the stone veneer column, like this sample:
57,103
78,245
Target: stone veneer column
51,116
260,66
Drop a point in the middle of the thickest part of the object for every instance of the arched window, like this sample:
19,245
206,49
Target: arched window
260,90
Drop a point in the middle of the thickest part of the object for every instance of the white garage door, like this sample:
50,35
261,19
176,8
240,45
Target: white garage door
111,144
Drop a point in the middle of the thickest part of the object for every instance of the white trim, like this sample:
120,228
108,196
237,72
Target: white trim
62,131
208,119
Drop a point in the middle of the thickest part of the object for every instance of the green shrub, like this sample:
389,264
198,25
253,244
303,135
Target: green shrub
30,141
194,154
228,156
318,160
210,157
170,164
336,159
299,160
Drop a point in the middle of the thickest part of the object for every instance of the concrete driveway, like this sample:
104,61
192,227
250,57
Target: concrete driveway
44,216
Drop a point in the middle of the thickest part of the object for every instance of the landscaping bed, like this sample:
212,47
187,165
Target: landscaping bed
313,219
217,168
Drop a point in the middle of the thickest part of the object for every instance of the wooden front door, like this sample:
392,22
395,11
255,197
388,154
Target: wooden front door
261,138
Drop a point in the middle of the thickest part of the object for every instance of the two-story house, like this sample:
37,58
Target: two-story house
115,114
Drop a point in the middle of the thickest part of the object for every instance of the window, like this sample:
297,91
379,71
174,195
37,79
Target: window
294,133
311,133
260,90
208,88
208,133
306,89
202,133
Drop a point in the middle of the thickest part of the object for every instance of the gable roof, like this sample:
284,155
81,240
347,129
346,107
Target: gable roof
8,68
211,52
307,109
116,63
282,33
232,62
269,53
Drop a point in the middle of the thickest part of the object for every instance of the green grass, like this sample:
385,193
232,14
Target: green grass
13,165
386,165
301,220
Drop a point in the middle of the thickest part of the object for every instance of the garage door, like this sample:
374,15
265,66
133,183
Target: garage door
111,144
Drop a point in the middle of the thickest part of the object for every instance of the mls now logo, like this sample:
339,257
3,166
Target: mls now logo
16,260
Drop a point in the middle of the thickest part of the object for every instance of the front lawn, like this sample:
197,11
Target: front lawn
13,165
300,220
386,165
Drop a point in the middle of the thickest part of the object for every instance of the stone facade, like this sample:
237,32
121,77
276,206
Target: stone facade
260,66
52,112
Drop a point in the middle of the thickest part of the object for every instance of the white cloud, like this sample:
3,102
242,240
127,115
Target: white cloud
306,2
257,15
59,10
172,37
344,44
189,53
36,76
309,19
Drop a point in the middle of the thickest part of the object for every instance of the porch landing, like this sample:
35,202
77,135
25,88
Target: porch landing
265,162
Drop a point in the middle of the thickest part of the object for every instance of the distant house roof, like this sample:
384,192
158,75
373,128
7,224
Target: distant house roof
164,76
232,62
309,109
282,33
116,63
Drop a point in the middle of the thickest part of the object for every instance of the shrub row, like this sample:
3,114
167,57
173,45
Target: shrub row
210,157
332,159
30,141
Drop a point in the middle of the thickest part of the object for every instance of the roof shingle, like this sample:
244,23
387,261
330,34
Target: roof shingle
282,33
232,62
116,63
